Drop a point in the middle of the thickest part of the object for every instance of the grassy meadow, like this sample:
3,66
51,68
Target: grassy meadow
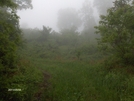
71,80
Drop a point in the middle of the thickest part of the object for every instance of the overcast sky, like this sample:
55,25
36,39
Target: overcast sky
44,12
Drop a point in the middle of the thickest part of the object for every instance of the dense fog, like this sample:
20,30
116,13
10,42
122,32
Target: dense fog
45,12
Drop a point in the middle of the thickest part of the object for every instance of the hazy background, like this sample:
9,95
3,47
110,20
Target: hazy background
44,12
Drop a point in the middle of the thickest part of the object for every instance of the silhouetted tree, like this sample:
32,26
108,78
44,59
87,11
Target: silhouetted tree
68,19
102,6
45,33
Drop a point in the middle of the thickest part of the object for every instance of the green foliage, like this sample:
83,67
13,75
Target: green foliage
20,4
69,61
26,77
7,3
30,79
10,40
116,30
45,33
23,4
49,44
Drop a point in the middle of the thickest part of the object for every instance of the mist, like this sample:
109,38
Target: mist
66,50
44,12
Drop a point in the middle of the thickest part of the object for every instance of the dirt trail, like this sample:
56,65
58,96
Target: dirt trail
44,86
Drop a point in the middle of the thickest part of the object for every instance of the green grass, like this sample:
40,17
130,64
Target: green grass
82,81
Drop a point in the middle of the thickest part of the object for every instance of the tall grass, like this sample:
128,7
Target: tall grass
83,81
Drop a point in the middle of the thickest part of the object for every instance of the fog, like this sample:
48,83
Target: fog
44,12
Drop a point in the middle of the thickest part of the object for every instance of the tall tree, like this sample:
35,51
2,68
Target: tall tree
10,38
10,31
116,30
45,34
88,20
102,6
68,19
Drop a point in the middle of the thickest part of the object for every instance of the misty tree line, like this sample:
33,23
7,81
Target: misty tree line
72,19
115,36
76,37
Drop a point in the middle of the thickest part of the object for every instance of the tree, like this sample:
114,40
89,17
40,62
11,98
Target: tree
68,19
69,37
45,34
7,3
10,39
116,30
20,4
88,21
87,16
23,4
102,6
9,31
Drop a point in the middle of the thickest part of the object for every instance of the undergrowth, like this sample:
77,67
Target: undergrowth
83,81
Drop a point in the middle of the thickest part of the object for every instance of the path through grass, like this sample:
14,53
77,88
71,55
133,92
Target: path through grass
81,81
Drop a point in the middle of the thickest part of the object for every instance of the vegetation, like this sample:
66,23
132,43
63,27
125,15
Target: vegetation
69,65
85,81
10,37
116,29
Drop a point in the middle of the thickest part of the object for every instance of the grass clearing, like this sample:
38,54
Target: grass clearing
82,81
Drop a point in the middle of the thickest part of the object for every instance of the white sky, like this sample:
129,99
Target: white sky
44,12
